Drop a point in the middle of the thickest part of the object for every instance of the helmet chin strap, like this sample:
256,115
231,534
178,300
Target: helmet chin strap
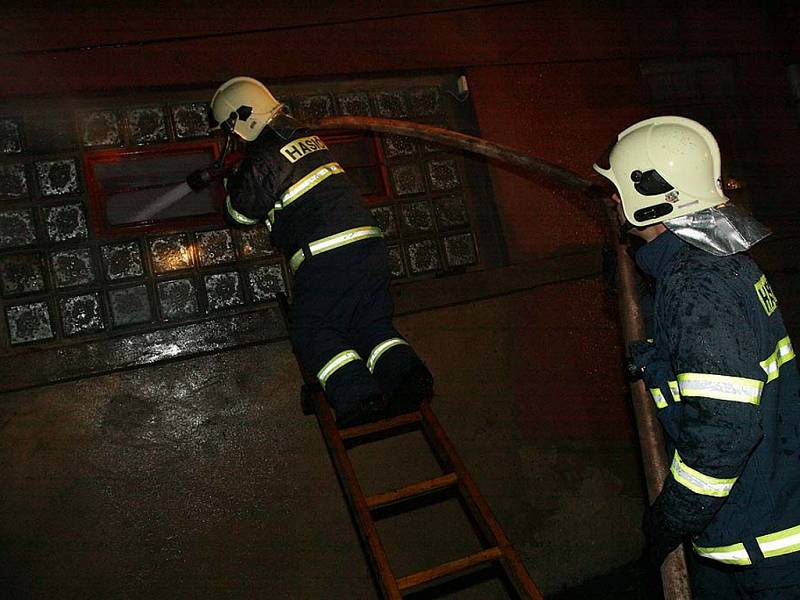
227,127
228,124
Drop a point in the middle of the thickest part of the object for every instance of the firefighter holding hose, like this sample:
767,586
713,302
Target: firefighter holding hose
341,315
721,368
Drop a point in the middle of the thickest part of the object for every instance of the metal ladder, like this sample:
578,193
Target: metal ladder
497,548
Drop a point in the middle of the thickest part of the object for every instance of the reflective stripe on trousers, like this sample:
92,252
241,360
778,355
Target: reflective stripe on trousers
336,363
236,215
378,351
334,241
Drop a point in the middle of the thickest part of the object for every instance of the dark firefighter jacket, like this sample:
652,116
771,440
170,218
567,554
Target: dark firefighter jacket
341,317
284,164
725,380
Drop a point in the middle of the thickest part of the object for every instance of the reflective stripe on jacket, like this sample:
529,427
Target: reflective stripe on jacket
289,181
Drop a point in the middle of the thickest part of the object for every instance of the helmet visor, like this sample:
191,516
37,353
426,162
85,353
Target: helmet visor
602,166
604,160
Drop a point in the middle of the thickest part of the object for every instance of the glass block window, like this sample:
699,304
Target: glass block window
10,136
13,181
253,242
129,305
72,268
99,128
100,237
57,177
171,253
417,217
451,212
398,145
265,281
407,179
65,223
17,228
147,125
122,261
396,265
356,103
21,274
423,256
391,104
425,101
178,299
215,247
311,108
385,216
191,120
460,250
443,175
81,314
29,322
224,290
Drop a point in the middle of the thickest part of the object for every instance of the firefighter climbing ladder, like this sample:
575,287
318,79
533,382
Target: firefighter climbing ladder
498,549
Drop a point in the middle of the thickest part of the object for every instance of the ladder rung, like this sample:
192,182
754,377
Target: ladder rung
378,426
451,568
412,490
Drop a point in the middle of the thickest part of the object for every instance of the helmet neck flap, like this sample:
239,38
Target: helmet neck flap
720,230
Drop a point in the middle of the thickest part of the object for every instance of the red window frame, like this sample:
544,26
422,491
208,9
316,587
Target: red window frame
98,196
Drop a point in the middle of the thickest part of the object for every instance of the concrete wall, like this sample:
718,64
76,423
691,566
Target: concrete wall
202,478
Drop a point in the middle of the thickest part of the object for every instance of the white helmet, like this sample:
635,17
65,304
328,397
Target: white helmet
664,168
244,105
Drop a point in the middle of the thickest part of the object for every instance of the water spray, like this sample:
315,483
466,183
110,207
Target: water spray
198,180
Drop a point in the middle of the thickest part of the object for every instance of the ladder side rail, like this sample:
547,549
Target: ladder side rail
450,460
356,500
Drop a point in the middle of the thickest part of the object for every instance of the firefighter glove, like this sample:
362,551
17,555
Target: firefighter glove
660,537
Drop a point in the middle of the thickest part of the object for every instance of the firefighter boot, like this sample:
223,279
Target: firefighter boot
417,387
369,409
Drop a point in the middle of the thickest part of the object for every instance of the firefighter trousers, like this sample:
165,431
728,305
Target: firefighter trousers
341,326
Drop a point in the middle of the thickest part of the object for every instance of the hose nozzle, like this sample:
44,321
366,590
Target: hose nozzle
200,179
223,167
